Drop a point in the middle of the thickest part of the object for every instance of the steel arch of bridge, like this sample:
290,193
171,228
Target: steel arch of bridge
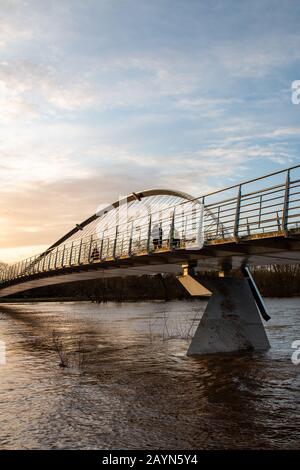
113,237
138,196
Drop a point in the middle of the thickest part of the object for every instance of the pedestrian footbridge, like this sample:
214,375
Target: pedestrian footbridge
256,222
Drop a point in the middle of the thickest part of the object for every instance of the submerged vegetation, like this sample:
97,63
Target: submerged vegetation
60,349
70,351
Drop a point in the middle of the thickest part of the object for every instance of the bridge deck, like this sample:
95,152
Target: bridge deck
258,225
274,249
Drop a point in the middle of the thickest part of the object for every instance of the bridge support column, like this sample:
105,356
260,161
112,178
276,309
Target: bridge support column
231,321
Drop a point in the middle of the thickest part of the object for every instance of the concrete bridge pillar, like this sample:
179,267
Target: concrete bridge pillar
231,321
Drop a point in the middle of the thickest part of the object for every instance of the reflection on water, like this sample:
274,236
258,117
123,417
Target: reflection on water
130,384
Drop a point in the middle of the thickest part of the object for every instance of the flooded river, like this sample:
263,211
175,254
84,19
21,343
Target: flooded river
129,384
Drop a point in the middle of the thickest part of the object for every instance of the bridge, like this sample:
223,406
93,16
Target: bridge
225,232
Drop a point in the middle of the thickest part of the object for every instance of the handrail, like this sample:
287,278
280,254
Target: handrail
250,181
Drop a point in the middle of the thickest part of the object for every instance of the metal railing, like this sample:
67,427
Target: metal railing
262,206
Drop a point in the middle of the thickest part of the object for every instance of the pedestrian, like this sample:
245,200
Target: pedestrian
156,235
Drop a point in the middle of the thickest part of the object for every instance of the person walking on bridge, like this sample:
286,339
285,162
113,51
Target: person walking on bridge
95,255
174,238
157,234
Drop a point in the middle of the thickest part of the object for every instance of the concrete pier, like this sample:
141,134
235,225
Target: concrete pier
231,321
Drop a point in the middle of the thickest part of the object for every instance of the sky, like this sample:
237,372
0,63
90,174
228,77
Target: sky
99,98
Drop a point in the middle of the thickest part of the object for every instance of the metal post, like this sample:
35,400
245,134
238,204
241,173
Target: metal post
25,268
79,252
260,208
149,234
63,256
237,213
107,247
278,221
21,270
171,238
70,259
56,255
285,213
29,267
44,262
122,245
130,240
39,265
49,262
203,200
185,228
101,248
115,242
218,221
90,249
14,271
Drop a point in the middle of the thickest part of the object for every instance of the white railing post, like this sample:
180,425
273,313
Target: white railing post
130,241
56,255
79,251
285,212
90,249
149,234
237,213
49,262
171,235
63,256
115,241
71,252
44,262
101,248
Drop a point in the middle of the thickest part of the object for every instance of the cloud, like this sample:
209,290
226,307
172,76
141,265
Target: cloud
12,27
29,90
285,132
255,58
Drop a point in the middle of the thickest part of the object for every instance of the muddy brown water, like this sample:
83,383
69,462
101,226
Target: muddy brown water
129,384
